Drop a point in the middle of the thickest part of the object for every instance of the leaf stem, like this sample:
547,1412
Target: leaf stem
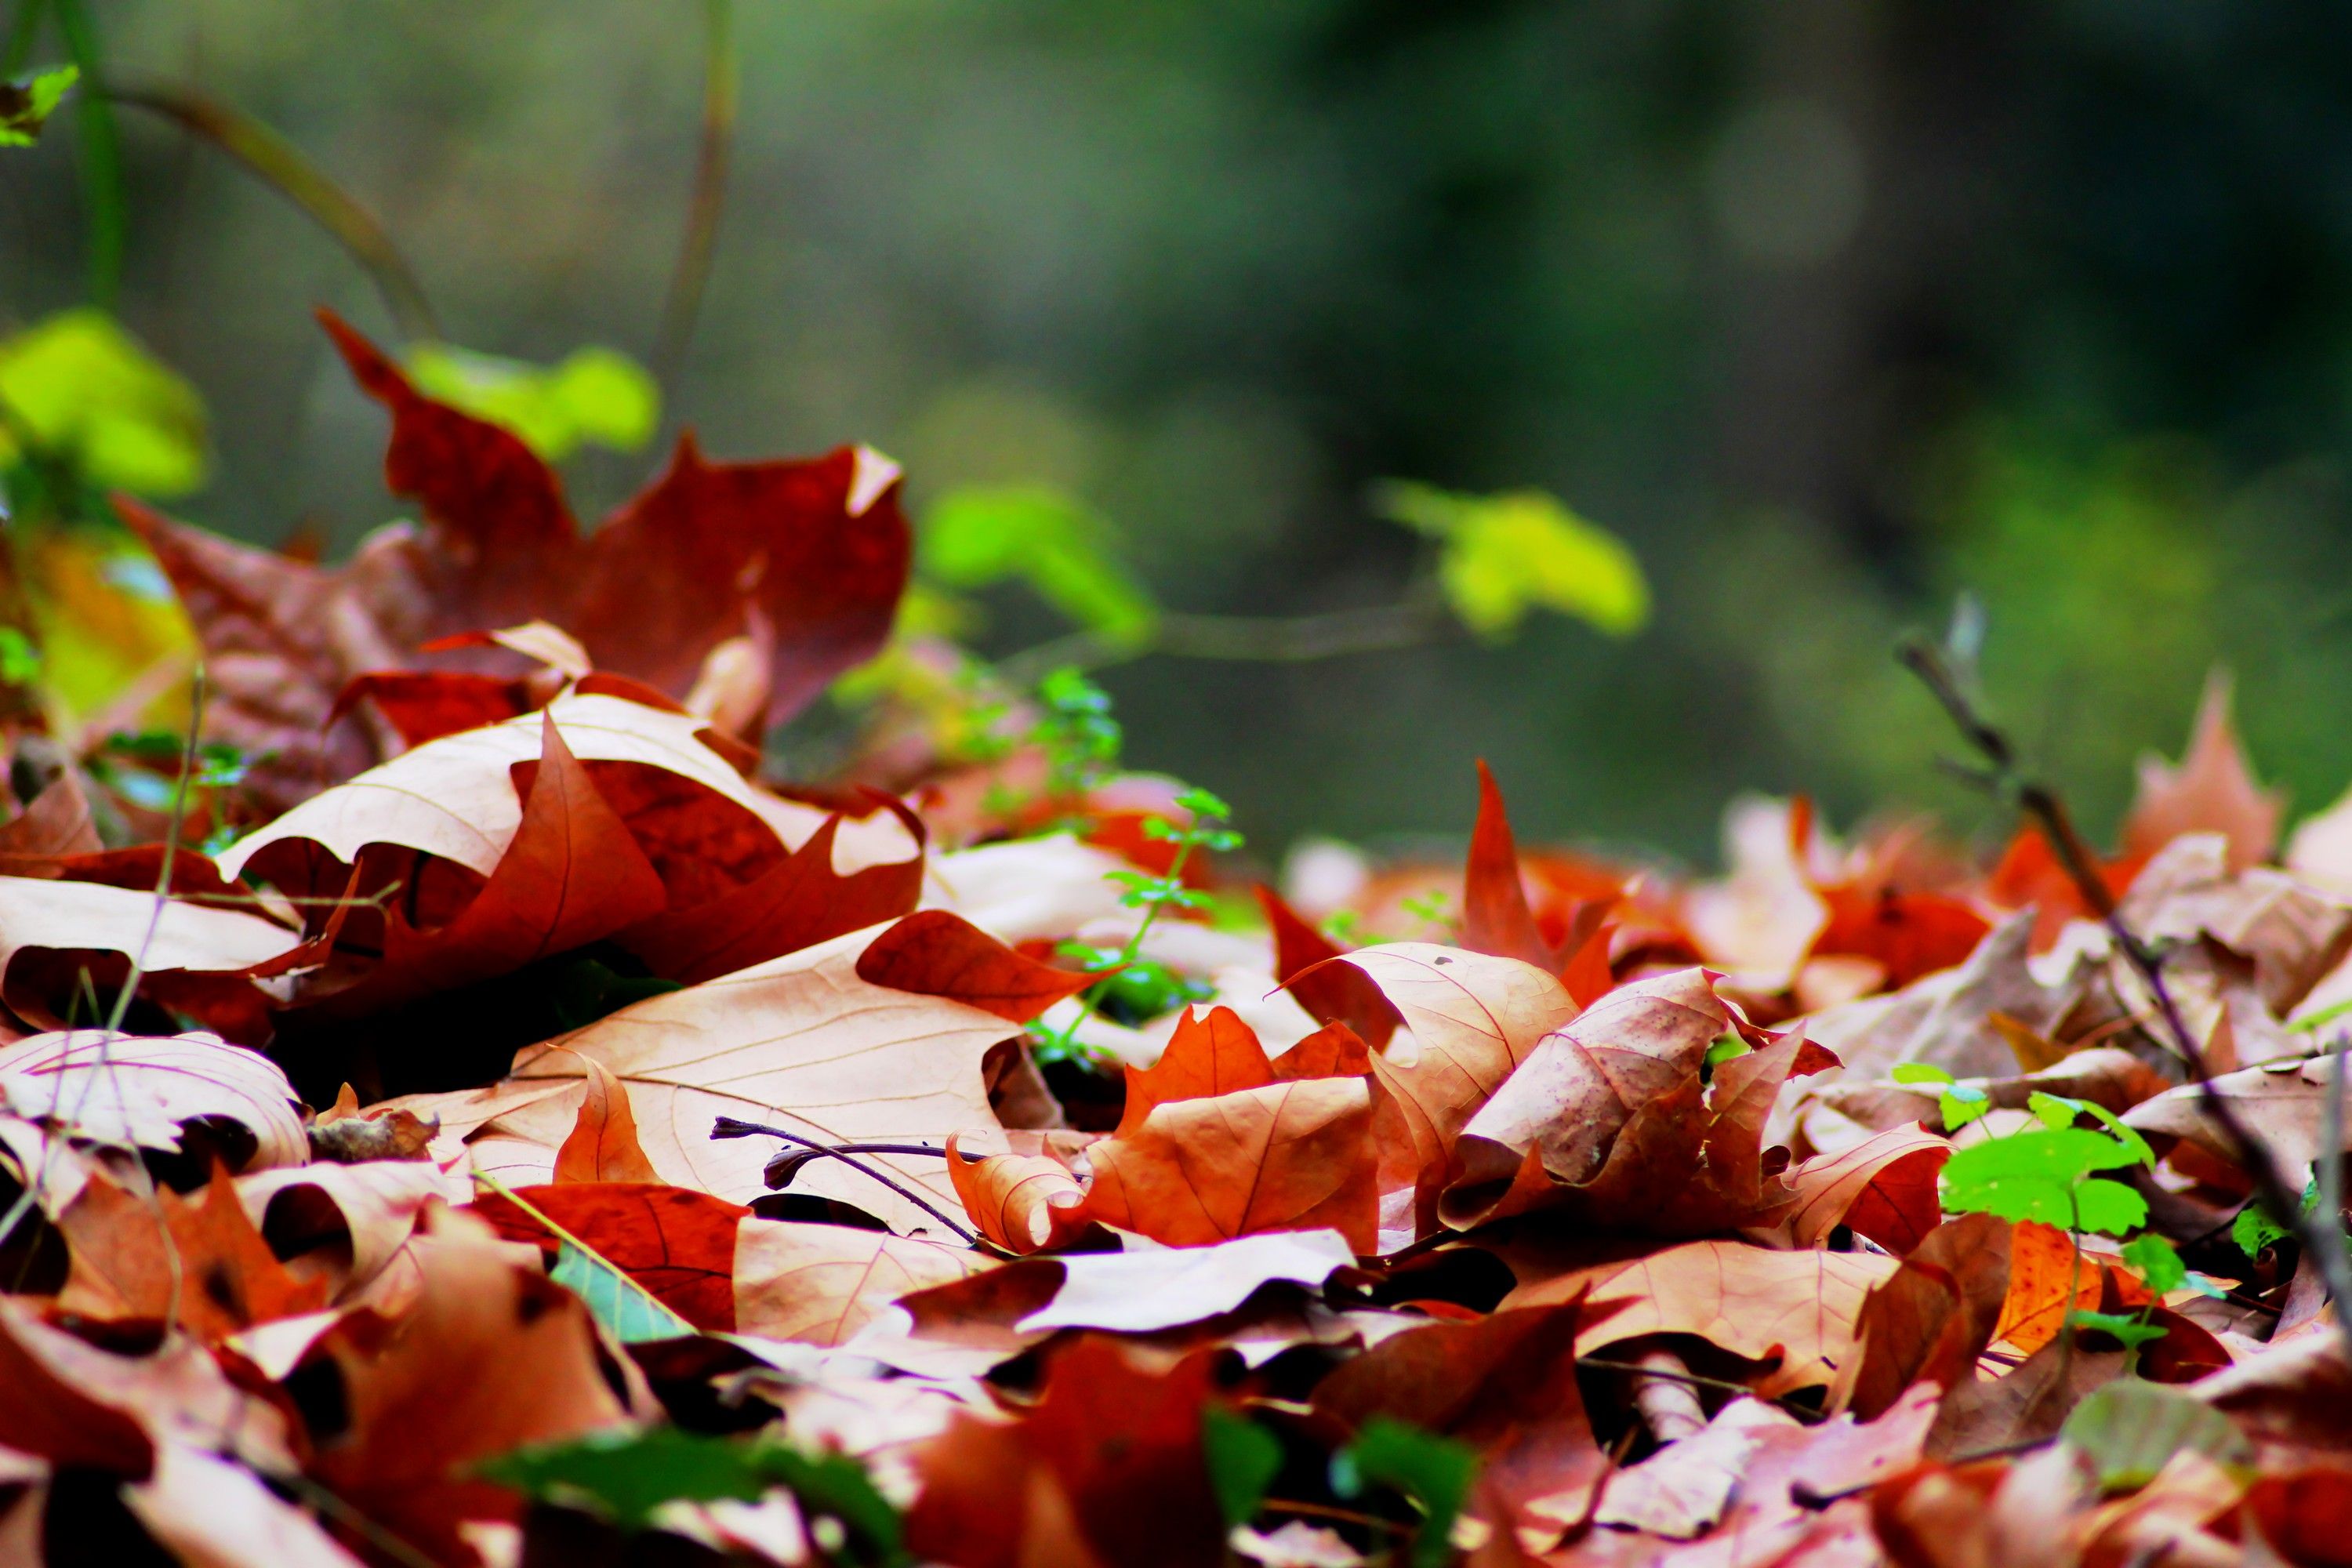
1255,639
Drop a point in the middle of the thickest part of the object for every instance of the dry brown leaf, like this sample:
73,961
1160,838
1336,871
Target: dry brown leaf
2048,1277
343,1223
209,1513
1883,1188
801,1042
1928,1322
1760,1304
1946,1019
1288,1156
2284,1103
1681,1491
1139,1292
135,1092
603,1142
821,1283
53,933
2293,933
1022,1202
493,1356
2211,791
199,1264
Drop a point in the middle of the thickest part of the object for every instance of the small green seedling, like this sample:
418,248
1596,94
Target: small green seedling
1960,1104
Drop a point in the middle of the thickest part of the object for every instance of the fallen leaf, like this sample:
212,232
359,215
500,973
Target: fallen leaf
1107,1468
1946,1019
2211,791
54,825
603,1142
821,1283
1495,918
342,1223
200,1264
138,1091
59,936
935,954
1021,1202
1205,1056
1683,1489
2048,1278
678,1245
802,1042
1883,1188
1798,1307
1331,993
211,1512
494,1355
813,554
1139,1292
1929,1321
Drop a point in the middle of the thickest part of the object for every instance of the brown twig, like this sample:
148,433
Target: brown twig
720,74
729,1127
2322,1236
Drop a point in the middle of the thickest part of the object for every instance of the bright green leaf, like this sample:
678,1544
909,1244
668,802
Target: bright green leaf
1921,1072
1962,1104
2254,1229
2132,1332
1242,1459
89,393
2053,1110
2158,1263
1062,548
27,102
595,395
1434,1471
628,1475
2131,1428
1519,551
1725,1048
630,1312
2039,1175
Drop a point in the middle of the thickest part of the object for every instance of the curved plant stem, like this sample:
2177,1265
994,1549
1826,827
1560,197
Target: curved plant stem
2322,1235
728,1127
282,166
99,152
722,75
18,47
1257,639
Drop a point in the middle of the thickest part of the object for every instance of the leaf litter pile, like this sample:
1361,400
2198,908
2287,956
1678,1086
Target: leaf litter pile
529,1136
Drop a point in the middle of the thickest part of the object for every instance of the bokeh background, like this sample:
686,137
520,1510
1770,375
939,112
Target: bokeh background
1831,309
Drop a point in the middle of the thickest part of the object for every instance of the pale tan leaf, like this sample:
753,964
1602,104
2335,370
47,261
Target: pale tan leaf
821,1283
135,1091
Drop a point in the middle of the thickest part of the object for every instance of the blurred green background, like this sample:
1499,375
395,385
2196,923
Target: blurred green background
1829,308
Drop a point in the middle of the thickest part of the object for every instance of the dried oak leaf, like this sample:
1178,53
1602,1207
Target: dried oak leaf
201,1264
1884,1187
1470,1019
821,1283
806,558
802,1042
1610,1118
1496,916
1020,1200
678,1244
138,1091
343,1223
493,1355
1931,1318
1332,994
2211,791
58,936
54,826
1948,1018
1506,1384
1798,1307
603,1144
1108,1467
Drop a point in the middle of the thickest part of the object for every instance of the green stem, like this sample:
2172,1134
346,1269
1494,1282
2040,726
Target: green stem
22,33
1068,1040
721,79
99,154
282,166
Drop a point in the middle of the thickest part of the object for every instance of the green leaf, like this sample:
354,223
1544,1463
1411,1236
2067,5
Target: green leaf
1434,1471
627,1476
1519,551
1962,1104
1921,1072
2132,1330
2053,1110
2131,1428
28,101
89,394
2158,1263
592,394
2254,1229
1725,1048
1243,1458
20,661
2039,1175
1058,544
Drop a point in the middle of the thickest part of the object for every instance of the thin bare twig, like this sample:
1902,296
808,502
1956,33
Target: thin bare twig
282,166
1254,639
729,1127
2322,1235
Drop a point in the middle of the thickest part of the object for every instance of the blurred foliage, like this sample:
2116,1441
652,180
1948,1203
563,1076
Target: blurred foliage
982,535
80,386
27,102
1827,311
1507,555
592,394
